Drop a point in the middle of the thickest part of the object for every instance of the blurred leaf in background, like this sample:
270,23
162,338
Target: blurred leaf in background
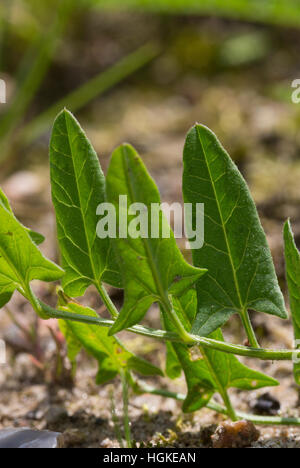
42,27
274,11
244,48
40,44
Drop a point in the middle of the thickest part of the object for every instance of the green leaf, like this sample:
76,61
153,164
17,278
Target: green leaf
4,201
173,366
230,372
198,379
35,236
78,187
111,354
200,386
241,273
292,266
206,373
6,292
20,259
5,296
151,267
74,346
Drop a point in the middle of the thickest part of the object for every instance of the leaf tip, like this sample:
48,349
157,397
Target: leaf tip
287,228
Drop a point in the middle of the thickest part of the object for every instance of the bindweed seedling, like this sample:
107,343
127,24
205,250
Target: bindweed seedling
104,240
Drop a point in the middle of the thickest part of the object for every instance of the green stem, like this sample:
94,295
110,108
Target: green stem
182,332
107,301
115,419
125,408
37,305
249,329
258,353
227,402
221,389
256,419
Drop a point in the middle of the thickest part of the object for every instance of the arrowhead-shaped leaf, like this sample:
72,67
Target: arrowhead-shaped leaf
110,353
292,266
214,369
151,267
241,273
78,187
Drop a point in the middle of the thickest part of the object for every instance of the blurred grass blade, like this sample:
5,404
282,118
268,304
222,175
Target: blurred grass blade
286,12
292,266
5,12
90,90
46,46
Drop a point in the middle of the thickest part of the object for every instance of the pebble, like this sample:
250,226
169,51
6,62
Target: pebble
28,438
266,404
72,438
235,434
55,414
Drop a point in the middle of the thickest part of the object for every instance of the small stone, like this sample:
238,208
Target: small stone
235,434
28,438
72,438
55,414
266,404
106,443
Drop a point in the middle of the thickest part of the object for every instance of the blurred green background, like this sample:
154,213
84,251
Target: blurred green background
144,71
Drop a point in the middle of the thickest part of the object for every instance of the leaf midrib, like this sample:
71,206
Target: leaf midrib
96,282
242,306
155,273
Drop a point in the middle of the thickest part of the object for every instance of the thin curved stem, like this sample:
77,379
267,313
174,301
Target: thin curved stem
213,405
260,353
107,301
162,335
249,329
222,390
182,332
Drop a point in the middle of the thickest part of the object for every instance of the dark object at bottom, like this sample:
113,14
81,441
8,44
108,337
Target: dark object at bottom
28,438
266,404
